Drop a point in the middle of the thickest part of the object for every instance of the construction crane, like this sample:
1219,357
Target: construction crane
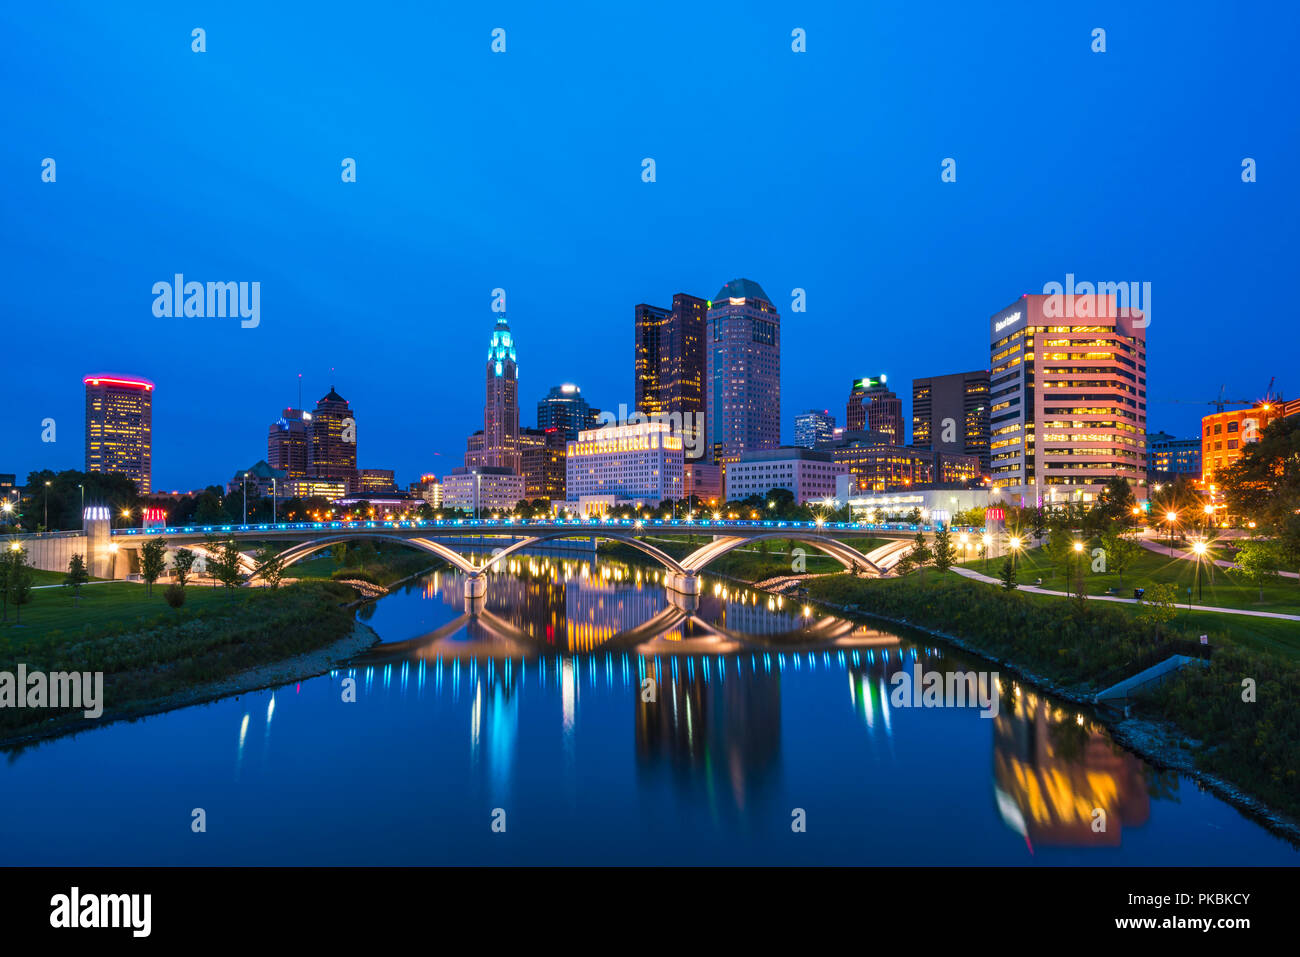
1218,403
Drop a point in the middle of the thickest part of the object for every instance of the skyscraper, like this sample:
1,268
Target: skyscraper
670,363
950,413
565,409
332,439
813,427
743,369
873,407
501,405
1068,398
287,444
119,427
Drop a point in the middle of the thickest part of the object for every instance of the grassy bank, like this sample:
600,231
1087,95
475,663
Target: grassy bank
749,562
156,655
1254,744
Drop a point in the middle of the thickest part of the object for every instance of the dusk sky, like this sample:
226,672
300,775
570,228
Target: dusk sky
523,170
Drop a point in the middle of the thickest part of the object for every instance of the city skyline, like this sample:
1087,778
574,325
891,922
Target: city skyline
904,271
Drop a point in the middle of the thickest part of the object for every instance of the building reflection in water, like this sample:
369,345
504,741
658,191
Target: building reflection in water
1053,767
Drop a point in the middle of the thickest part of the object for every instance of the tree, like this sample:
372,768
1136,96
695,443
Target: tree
1264,484
920,554
226,566
1009,575
153,559
1258,562
77,576
182,564
339,551
1158,606
271,566
366,554
945,554
1120,551
16,580
1060,547
1115,503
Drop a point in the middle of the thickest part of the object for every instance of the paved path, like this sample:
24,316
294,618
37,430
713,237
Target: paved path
1154,546
1035,590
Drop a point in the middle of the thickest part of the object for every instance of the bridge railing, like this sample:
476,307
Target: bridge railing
507,524
30,536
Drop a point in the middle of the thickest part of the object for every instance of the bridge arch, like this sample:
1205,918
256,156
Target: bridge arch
846,555
296,553
628,538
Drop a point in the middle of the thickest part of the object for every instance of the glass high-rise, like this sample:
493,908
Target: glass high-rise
670,363
743,369
501,403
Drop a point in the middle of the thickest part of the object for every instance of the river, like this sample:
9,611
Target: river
578,716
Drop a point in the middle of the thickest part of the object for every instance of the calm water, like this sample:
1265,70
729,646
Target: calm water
533,706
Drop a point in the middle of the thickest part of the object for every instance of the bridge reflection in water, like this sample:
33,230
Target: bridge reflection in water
713,725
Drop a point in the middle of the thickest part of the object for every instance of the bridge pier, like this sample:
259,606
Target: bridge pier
475,586
687,584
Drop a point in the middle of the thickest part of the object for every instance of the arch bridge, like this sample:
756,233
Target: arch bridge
505,537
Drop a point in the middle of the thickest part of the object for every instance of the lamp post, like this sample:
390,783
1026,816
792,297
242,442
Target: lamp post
1015,552
243,487
47,506
1171,518
1199,549
1209,518
1078,554
986,540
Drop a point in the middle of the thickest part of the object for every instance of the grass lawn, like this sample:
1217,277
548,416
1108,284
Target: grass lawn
109,604
1218,586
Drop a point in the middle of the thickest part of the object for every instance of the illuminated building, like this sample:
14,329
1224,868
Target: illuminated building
309,487
743,371
950,413
501,404
934,504
119,427
814,428
375,482
287,443
565,409
880,467
484,488
1169,457
541,456
640,463
872,406
1225,434
670,364
702,480
428,488
332,439
808,475
1068,406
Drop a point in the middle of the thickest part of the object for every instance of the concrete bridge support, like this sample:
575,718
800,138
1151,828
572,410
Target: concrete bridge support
475,586
683,584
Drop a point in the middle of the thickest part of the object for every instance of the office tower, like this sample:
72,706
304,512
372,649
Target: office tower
119,427
639,464
332,439
1169,457
670,364
501,405
541,455
743,369
287,444
1067,394
950,413
1225,435
813,428
873,407
565,409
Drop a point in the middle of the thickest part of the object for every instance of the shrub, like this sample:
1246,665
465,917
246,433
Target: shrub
175,595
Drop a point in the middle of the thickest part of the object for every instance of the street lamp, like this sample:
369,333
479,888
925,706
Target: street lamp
47,506
1078,553
1199,549
1209,517
1015,551
244,488
1171,518
986,540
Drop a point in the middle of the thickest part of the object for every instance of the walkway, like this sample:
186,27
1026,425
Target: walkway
1035,590
1154,546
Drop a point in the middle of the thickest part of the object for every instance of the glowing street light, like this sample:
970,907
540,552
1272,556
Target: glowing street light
1200,549
1015,551
1172,518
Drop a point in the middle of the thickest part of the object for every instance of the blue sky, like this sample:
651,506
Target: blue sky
522,170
